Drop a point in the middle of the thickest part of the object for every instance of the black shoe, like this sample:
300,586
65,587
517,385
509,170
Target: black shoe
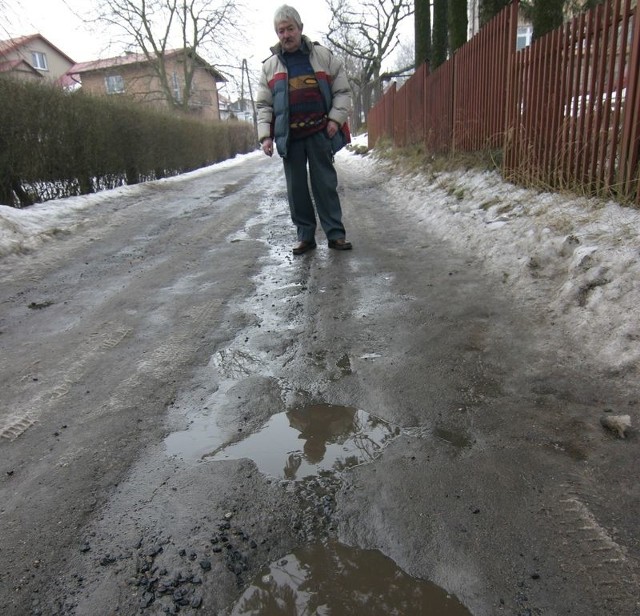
304,246
340,244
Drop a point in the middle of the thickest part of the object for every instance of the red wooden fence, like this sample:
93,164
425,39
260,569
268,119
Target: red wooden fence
565,110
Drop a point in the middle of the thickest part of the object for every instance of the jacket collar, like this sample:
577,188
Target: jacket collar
306,46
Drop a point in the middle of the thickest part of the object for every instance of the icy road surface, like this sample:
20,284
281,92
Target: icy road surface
190,416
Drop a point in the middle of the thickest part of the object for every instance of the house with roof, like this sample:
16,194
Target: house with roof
161,83
34,58
240,109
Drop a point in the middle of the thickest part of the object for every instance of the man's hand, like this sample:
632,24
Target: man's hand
332,128
267,146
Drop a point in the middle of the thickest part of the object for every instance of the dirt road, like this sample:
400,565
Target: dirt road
193,419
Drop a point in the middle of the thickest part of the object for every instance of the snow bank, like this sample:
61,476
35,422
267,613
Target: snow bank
575,258
22,230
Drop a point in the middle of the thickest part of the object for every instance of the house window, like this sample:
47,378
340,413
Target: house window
114,84
524,36
177,91
39,60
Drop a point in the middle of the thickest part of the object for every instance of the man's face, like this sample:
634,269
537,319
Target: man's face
289,34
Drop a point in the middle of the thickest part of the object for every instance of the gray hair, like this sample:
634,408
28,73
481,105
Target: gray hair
285,13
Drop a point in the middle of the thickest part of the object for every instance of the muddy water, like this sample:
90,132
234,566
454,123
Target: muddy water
338,580
322,579
315,439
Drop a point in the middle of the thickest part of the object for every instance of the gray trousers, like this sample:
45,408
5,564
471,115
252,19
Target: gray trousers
316,151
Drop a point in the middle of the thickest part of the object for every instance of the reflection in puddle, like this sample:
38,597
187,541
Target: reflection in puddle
234,364
309,440
341,581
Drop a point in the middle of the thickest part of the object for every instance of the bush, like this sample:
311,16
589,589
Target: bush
57,144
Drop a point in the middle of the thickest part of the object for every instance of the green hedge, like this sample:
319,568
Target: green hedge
57,144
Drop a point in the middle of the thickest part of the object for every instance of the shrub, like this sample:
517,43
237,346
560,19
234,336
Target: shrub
57,144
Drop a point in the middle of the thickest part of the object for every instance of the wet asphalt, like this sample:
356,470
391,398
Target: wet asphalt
196,421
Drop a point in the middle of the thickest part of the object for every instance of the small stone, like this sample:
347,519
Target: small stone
228,515
154,550
205,564
147,599
618,424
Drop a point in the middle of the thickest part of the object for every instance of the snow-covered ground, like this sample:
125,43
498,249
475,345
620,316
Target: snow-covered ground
574,257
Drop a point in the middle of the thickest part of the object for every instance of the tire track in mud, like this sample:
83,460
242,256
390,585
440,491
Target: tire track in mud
15,426
60,373
132,315
18,422
590,547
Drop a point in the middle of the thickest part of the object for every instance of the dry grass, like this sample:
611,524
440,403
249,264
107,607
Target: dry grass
415,158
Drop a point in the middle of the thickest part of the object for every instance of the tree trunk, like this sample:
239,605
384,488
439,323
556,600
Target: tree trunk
440,32
422,20
458,23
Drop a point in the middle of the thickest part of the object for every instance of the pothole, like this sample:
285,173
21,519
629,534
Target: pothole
309,441
336,579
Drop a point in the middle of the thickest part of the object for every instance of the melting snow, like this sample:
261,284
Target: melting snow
576,257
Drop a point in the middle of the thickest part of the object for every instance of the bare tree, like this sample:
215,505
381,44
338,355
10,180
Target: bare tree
155,26
8,12
367,33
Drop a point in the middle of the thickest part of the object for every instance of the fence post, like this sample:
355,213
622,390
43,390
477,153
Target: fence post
512,106
629,155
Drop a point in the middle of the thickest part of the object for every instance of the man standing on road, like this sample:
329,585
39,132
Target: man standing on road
303,103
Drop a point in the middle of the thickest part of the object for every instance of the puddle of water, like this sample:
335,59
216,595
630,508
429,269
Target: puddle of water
338,580
304,442
201,437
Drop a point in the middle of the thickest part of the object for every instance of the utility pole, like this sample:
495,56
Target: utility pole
245,70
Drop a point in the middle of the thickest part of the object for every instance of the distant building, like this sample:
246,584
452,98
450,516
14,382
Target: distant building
34,58
525,29
242,109
135,76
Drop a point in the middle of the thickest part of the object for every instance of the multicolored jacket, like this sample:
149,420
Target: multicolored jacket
273,94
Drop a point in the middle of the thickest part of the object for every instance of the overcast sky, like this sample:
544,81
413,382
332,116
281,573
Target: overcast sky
63,23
